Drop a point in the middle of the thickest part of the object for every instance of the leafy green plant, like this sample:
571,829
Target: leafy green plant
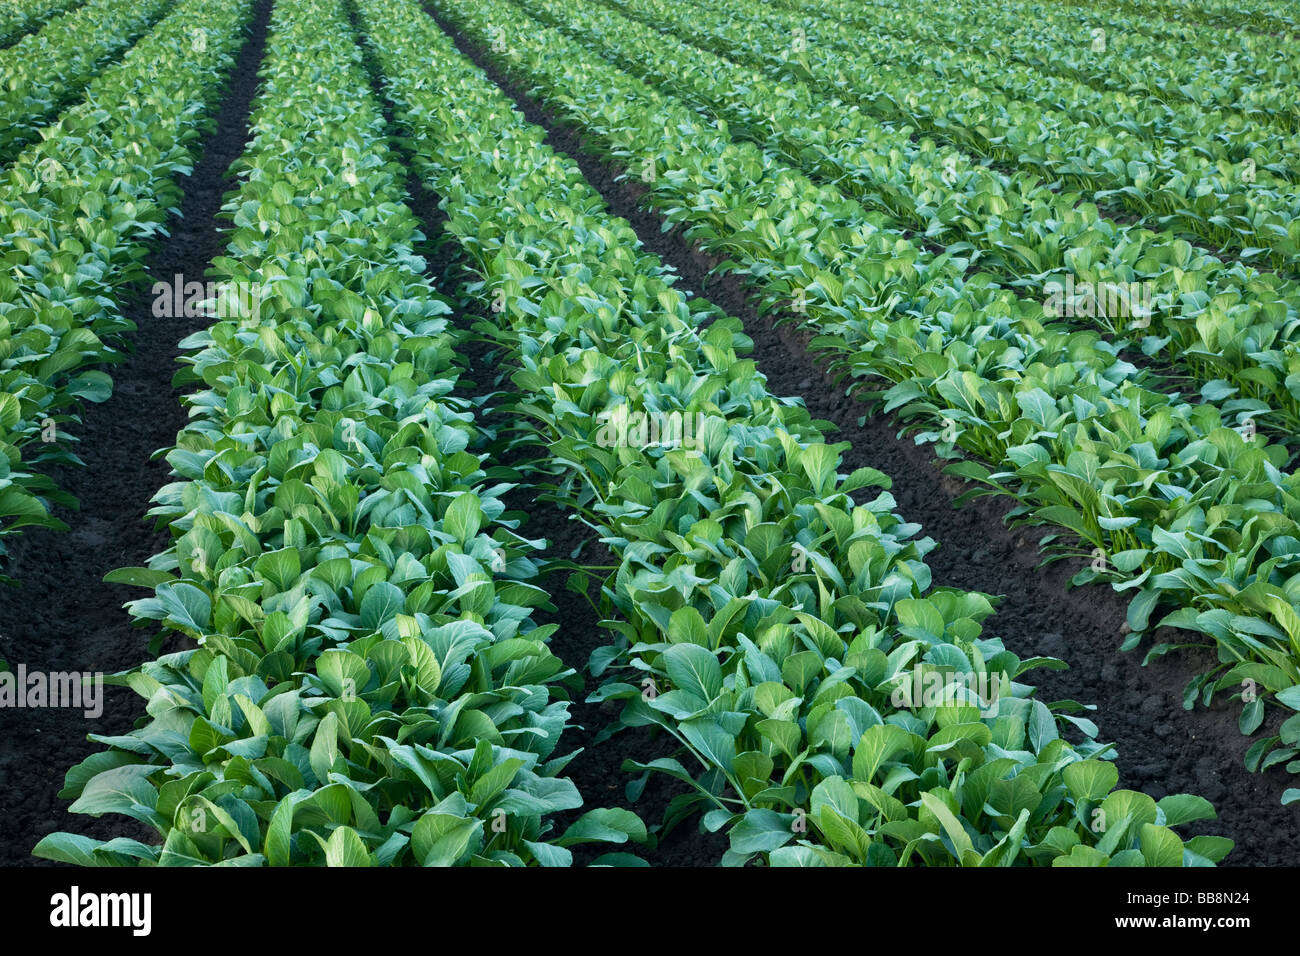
1223,323
79,210
1181,508
368,687
1108,49
774,677
21,16
1158,161
47,68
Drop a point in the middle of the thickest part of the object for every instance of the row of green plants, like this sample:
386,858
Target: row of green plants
1181,508
78,211
1218,182
1271,18
766,620
1246,73
1223,323
368,685
48,68
1163,120
1181,127
1225,134
18,17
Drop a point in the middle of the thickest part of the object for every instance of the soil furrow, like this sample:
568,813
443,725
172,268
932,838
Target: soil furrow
62,616
1162,748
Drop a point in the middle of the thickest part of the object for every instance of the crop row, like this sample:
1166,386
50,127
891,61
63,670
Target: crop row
1227,324
1181,507
1224,134
1211,182
1171,124
776,676
78,210
18,17
1272,18
370,688
1101,48
47,68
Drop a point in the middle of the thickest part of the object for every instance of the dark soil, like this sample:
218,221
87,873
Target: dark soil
597,770
1162,748
63,616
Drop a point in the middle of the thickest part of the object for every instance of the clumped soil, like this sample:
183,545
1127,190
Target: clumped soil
1162,748
62,616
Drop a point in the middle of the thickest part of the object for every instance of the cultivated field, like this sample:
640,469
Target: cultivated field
631,432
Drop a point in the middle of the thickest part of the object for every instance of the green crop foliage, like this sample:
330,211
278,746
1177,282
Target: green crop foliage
369,688
934,196
18,17
47,68
78,211
766,621
1174,500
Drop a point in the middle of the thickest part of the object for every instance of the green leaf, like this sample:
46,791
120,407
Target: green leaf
281,568
1037,406
69,848
606,825
920,613
1082,855
1252,715
92,386
711,740
686,626
1290,697
1212,848
761,831
879,743
1041,728
344,848
139,577
785,734
961,840
694,669
618,859
1180,808
1160,846
186,606
442,839
1091,779
280,830
383,602
464,517
1140,608
325,748
125,790
547,854
11,412
1005,851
